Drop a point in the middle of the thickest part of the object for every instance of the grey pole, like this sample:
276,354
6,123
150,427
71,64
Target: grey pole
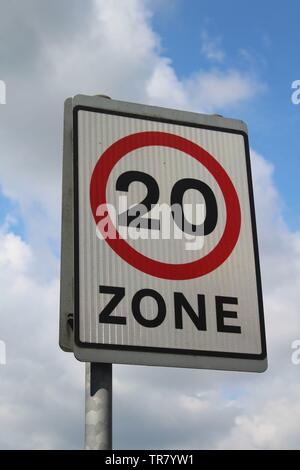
98,406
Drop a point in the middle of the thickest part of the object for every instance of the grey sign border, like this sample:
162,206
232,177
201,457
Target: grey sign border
160,356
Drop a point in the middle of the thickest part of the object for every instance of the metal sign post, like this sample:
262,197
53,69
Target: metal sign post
98,406
159,256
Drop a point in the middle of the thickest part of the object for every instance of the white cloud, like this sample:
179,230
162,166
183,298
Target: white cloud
164,88
15,255
202,92
216,89
274,427
211,48
40,386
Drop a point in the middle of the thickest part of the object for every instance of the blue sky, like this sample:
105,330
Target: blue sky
254,36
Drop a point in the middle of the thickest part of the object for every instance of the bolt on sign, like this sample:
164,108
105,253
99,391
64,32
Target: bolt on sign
159,246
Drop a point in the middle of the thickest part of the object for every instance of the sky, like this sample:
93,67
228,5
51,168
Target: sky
231,58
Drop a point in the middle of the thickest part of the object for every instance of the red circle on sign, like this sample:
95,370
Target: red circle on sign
184,271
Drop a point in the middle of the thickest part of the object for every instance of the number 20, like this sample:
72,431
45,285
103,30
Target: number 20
176,198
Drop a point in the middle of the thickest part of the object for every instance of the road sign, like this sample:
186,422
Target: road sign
166,268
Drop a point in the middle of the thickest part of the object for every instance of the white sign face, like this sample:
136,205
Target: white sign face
166,255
